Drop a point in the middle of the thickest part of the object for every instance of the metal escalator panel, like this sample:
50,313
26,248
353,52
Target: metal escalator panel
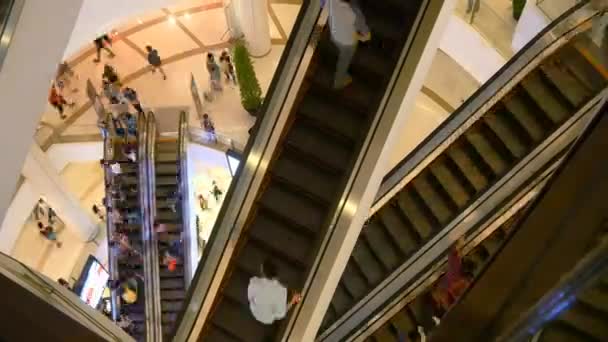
308,174
565,223
511,130
296,198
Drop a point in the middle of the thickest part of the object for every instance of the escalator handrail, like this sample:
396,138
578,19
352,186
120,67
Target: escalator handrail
272,119
8,29
108,152
586,272
153,296
543,44
184,192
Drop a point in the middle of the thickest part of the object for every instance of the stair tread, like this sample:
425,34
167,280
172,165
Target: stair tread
486,151
367,262
415,215
516,105
550,102
305,176
451,183
468,167
382,247
396,228
499,125
570,87
280,200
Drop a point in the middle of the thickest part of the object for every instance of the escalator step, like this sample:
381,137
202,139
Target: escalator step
239,321
340,121
450,183
382,246
485,149
580,67
166,181
318,147
216,334
525,115
169,317
305,176
175,283
385,334
252,256
285,241
499,125
415,214
355,97
237,288
341,300
164,169
354,282
403,322
401,232
570,87
467,167
166,157
553,105
280,200
171,146
174,306
367,263
172,294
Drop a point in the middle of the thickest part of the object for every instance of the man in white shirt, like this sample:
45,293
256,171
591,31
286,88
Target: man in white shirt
268,297
347,26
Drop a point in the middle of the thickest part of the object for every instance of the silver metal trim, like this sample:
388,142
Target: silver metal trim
467,115
287,81
9,29
108,152
183,140
463,223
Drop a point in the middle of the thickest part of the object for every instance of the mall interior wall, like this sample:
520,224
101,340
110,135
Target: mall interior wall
531,22
40,38
469,49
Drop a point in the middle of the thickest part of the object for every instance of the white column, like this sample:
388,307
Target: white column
252,16
18,213
39,171
304,327
38,43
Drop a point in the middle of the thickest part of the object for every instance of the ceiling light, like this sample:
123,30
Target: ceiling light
172,19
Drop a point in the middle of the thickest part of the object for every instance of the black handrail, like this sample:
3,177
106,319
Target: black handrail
184,192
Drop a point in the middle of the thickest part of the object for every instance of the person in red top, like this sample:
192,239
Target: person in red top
57,101
455,280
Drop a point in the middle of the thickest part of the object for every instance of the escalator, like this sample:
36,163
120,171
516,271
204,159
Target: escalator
501,137
543,272
316,155
168,214
420,310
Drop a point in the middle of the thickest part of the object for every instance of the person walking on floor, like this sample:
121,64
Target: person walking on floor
209,128
215,75
57,101
226,67
347,27
268,297
155,61
102,42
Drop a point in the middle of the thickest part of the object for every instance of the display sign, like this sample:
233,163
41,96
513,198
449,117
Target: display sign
92,282
234,159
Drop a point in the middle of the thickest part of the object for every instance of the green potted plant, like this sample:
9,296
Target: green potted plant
251,93
518,7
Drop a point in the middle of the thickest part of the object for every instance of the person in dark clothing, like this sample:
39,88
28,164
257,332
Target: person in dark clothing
155,61
110,75
49,233
102,42
131,95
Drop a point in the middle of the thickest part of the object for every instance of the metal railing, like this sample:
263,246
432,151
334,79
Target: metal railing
248,180
147,178
108,154
60,298
527,59
10,10
184,193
